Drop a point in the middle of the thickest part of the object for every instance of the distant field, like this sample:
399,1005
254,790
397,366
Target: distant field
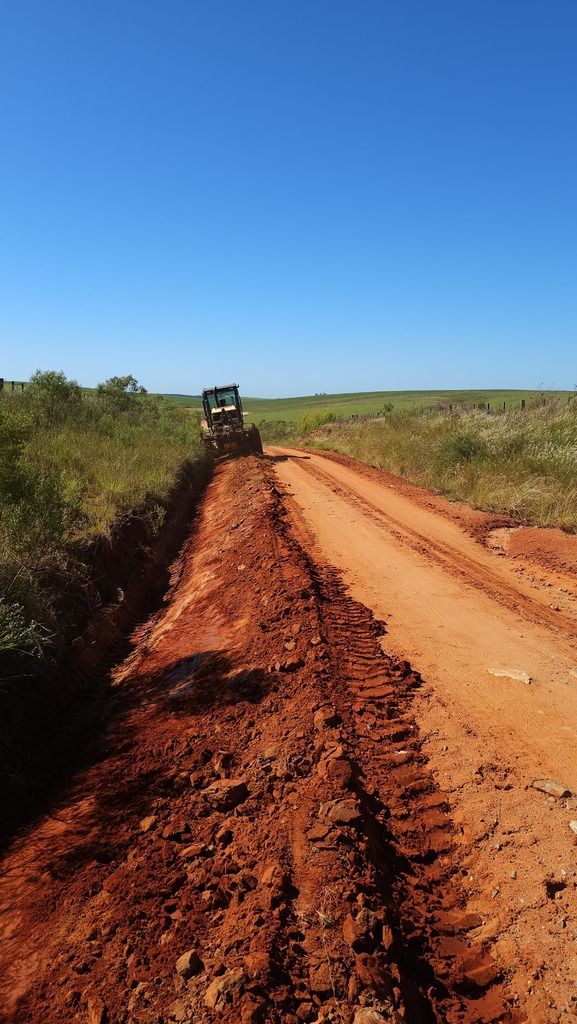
364,403
189,401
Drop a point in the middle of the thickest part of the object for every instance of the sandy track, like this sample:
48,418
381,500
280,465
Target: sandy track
456,604
457,610
281,798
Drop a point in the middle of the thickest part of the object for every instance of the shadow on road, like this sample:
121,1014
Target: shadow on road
123,761
193,685
284,458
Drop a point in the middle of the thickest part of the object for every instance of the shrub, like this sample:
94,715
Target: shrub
314,419
458,448
117,394
52,396
272,431
37,516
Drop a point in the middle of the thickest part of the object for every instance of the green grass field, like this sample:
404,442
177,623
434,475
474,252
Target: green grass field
291,410
188,401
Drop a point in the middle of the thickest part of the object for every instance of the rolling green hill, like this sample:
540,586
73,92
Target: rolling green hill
366,403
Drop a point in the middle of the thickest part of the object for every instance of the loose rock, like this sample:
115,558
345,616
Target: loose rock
342,812
373,973
175,830
292,665
368,1016
357,931
320,978
188,964
225,794
274,875
318,832
194,850
337,769
97,1011
511,673
552,788
326,718
223,989
147,823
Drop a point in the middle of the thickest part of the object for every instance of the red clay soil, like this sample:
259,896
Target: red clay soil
259,835
548,547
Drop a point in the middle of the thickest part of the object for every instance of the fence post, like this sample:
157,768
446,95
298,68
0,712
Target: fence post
522,403
488,406
1,383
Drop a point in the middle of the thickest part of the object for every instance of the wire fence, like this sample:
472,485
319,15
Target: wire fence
491,408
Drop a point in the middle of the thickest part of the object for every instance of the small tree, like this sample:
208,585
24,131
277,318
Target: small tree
118,393
128,384
53,396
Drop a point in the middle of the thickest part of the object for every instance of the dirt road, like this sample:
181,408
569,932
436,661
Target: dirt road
487,612
496,637
296,814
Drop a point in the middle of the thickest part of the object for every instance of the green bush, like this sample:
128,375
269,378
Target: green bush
37,515
314,419
276,431
52,397
71,464
458,448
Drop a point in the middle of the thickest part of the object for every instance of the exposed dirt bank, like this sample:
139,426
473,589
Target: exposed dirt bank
107,587
269,829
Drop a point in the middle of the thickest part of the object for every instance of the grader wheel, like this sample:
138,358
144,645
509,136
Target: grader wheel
254,440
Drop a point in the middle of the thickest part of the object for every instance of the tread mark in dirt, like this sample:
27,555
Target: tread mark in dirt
440,974
470,573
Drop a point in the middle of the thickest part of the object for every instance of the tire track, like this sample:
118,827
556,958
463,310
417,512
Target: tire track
457,564
444,974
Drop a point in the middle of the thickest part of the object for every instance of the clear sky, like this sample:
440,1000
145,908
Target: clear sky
298,195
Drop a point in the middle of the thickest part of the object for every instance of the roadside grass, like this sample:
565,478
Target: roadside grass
115,468
521,463
72,464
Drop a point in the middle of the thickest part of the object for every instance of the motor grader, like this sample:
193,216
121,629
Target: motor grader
224,431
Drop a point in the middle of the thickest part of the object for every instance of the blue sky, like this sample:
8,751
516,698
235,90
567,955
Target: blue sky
299,195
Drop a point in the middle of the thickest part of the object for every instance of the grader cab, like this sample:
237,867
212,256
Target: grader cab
224,431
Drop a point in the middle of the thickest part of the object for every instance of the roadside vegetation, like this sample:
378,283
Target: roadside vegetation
285,420
363,403
71,465
520,462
